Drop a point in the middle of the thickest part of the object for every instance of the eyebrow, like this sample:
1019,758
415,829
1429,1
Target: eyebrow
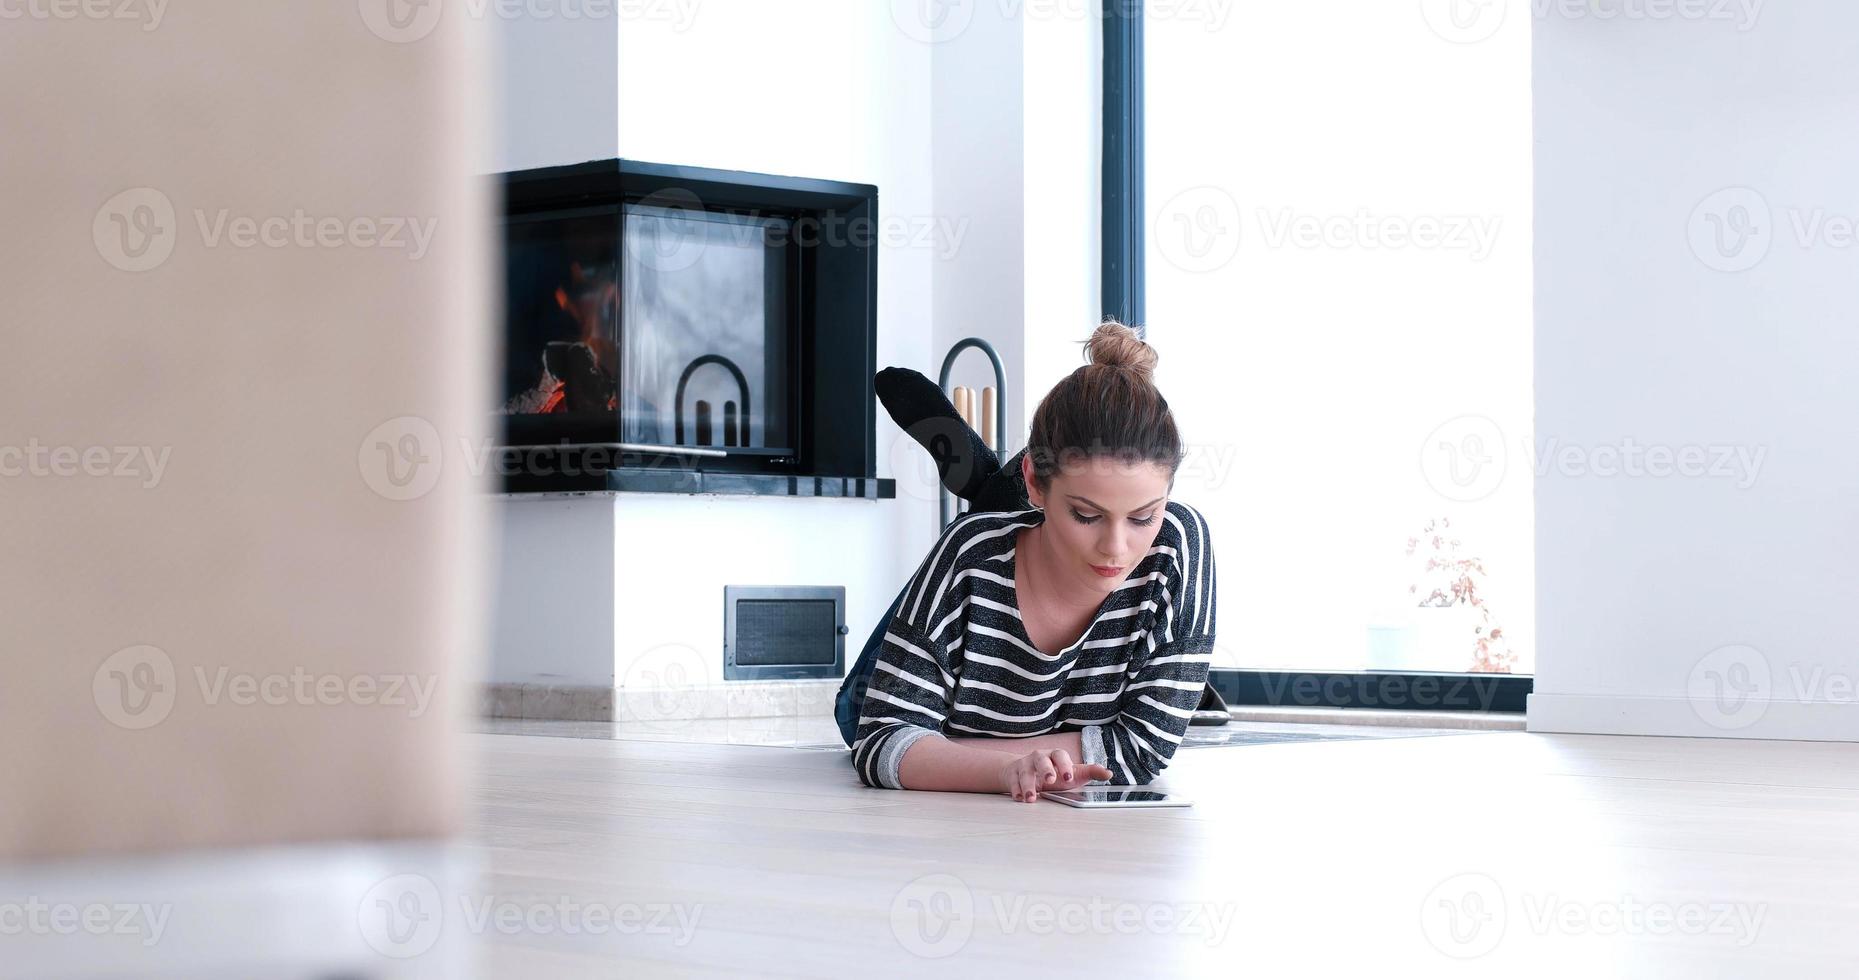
1099,506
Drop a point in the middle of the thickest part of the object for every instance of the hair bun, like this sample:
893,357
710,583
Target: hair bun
1115,345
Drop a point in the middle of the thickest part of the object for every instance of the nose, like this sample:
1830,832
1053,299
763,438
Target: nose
1115,544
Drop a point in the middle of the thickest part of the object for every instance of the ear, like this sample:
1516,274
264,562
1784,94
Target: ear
1033,495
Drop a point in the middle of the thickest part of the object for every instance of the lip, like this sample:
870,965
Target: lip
1107,570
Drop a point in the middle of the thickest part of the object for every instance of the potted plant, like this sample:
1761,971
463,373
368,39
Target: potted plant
1449,581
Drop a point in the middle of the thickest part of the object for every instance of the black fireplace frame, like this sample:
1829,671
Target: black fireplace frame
832,350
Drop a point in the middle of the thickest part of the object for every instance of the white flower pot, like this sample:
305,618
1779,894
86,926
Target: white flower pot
1432,638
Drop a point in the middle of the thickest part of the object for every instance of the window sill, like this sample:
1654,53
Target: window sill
681,481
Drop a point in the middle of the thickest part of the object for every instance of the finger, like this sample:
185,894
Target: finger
1062,761
1091,771
1045,770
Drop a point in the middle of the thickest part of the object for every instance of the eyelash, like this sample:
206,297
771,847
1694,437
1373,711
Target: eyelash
1080,518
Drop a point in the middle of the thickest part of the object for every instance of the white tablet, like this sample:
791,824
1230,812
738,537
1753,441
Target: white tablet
1090,797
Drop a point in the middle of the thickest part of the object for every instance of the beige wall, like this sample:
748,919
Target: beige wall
258,537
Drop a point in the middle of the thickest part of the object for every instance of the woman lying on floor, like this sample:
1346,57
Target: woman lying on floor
962,694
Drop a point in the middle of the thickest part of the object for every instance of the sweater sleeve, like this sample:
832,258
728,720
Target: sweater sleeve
1165,686
913,680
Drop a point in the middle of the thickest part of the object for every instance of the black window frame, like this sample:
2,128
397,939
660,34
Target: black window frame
1124,295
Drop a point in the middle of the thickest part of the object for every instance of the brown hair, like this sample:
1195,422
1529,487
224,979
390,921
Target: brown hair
1109,407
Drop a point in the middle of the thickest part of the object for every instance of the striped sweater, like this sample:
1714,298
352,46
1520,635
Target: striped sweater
956,659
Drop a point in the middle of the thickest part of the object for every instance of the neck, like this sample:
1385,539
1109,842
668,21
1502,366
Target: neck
1067,596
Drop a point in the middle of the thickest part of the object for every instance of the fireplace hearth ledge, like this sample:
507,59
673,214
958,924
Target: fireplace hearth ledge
644,480
647,706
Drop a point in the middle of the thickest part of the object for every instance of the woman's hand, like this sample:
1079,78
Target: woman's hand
1025,777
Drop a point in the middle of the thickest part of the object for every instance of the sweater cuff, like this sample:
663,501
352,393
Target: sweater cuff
1091,738
891,756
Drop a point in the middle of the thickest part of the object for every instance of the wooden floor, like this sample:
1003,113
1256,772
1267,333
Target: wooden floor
1489,854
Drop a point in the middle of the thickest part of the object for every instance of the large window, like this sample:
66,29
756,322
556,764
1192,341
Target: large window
1338,278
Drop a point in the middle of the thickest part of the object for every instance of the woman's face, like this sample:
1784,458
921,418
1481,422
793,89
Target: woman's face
1101,517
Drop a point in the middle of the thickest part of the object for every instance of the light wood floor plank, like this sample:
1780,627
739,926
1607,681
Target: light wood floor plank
1325,858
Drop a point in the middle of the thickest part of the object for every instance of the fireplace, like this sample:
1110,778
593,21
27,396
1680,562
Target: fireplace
679,329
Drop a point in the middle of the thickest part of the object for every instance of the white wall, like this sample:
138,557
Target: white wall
807,88
1654,591
978,167
831,90
845,90
553,612
556,101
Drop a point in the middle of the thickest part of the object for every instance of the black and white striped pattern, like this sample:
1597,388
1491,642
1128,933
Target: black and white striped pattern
956,659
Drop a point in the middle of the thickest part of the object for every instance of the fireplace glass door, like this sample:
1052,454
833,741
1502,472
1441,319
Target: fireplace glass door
705,321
